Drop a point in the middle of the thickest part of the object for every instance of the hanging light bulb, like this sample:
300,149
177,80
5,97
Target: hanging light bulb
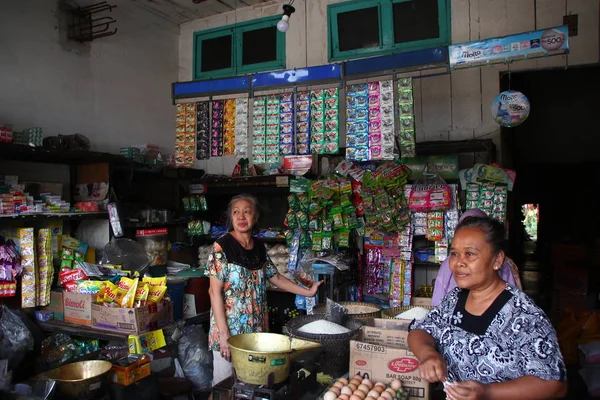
283,25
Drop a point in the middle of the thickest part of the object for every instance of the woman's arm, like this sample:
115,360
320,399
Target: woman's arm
217,304
432,365
524,388
285,284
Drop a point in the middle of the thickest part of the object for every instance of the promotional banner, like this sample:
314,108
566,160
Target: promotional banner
540,43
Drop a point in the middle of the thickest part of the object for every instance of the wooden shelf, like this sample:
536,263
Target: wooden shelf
70,216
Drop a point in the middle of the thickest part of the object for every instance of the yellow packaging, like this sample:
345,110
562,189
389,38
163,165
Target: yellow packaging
146,342
162,281
141,294
111,294
157,293
127,299
100,297
125,284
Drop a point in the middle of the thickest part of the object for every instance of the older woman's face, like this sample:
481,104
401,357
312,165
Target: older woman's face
242,216
472,259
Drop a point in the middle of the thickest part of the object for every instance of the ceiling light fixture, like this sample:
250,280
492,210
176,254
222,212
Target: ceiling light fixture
288,10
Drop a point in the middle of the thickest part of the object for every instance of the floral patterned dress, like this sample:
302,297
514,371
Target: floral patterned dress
244,288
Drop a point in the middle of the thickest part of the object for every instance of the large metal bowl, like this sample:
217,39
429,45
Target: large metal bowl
80,380
256,355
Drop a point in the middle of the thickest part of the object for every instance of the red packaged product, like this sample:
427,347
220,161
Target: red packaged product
73,275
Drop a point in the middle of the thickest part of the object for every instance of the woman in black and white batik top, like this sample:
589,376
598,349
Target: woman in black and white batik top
487,340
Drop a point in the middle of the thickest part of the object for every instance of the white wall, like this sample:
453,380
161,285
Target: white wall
448,107
116,92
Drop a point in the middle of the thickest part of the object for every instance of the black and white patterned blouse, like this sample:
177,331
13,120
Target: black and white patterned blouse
512,339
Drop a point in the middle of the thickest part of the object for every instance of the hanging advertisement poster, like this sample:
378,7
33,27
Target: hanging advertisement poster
551,41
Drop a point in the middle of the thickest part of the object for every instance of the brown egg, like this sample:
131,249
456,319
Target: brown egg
374,394
336,390
387,396
367,382
352,386
391,391
358,376
364,388
339,385
371,398
355,397
360,393
344,397
381,385
344,381
355,382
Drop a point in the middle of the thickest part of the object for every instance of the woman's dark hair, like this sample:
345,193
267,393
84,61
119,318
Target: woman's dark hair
495,233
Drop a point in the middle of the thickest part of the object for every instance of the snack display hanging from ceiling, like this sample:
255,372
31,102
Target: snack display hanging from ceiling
185,135
272,148
286,124
370,125
259,130
203,130
216,141
229,120
241,127
407,117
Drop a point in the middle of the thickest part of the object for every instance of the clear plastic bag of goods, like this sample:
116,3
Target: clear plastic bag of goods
429,193
126,252
15,338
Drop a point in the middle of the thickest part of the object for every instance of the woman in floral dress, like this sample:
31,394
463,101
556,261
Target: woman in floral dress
239,267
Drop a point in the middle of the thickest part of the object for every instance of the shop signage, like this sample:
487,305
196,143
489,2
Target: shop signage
540,43
446,166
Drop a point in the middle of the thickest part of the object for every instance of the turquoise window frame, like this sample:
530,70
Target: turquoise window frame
237,31
387,44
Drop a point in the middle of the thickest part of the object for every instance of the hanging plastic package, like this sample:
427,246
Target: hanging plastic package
429,193
15,338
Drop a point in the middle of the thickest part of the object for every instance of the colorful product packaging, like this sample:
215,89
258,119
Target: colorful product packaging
229,119
259,130
28,262
203,130
406,117
45,267
273,129
303,123
317,121
185,135
286,124
241,127
332,121
357,122
217,127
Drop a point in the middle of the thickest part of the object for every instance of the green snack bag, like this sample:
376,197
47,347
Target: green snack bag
344,238
299,185
327,240
291,220
362,227
305,241
195,203
352,221
315,209
317,241
315,224
79,257
346,221
345,187
186,204
303,201
66,264
302,219
338,221
328,224
293,202
203,203
289,237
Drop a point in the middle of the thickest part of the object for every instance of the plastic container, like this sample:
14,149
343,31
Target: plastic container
155,243
176,291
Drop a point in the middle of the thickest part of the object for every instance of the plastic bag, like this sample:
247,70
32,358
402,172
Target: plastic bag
15,338
335,312
194,356
429,193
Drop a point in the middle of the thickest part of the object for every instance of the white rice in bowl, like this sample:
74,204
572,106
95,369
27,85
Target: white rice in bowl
417,313
323,327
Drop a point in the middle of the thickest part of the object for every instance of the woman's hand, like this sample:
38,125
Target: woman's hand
223,345
470,390
313,289
433,367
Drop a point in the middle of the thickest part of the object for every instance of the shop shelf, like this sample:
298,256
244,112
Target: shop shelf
42,216
81,330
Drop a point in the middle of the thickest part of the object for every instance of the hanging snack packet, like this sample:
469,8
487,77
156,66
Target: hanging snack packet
111,293
302,219
317,241
338,221
141,294
162,281
156,294
293,202
344,238
291,221
127,299
327,241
